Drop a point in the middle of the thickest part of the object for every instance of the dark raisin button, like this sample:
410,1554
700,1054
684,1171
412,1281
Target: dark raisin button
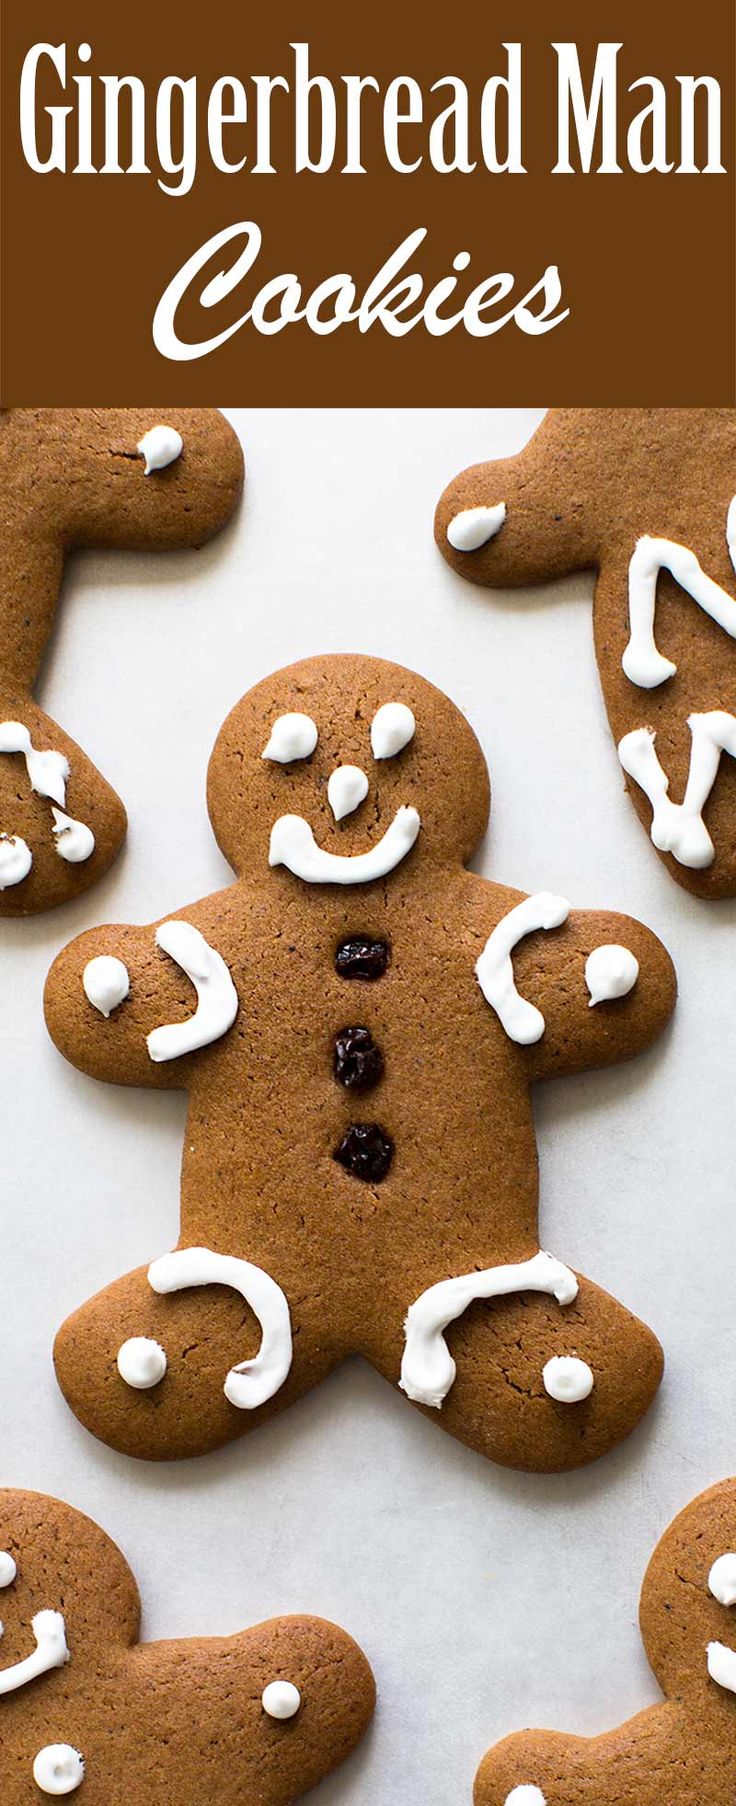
366,1152
358,1062
362,957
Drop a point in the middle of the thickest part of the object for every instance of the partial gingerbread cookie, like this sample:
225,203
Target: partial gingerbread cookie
251,1720
679,1753
82,477
358,1021
646,496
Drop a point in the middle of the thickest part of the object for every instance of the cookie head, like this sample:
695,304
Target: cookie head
344,770
688,1603
66,1594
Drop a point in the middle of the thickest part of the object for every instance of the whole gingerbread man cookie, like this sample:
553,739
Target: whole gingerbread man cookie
358,1021
647,497
251,1720
81,477
679,1753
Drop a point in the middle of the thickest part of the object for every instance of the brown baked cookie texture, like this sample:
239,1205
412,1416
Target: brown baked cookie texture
358,1021
82,477
251,1720
683,1751
646,496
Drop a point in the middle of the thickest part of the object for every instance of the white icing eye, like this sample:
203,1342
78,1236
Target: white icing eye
58,1769
16,860
8,1569
106,982
473,527
141,1363
392,728
610,971
525,1796
722,1580
292,737
160,446
347,788
281,1699
567,1379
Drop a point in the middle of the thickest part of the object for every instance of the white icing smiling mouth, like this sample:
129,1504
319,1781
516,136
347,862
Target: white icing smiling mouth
293,845
51,1651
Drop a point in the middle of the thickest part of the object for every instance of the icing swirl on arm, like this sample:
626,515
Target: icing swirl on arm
522,1021
642,662
217,998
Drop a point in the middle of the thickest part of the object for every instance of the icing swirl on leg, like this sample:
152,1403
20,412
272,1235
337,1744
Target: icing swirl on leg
252,1382
428,1369
51,1651
642,662
679,828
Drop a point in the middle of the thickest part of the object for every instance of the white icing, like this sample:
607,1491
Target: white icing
428,1369
567,1379
58,1769
473,527
51,1651
281,1699
75,842
217,998
293,845
494,971
160,446
16,860
251,1382
610,971
392,727
643,663
141,1363
47,770
291,737
525,1796
722,1666
722,1579
8,1569
678,828
106,982
346,790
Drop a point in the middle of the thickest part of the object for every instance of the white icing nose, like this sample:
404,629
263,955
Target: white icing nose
346,790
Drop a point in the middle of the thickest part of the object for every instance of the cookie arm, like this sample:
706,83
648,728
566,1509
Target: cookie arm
592,954
167,990
545,1767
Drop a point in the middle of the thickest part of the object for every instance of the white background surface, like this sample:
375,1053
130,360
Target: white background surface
486,1600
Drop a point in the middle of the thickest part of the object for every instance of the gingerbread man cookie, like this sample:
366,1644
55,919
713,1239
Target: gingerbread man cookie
681,1752
646,496
251,1720
358,1021
69,478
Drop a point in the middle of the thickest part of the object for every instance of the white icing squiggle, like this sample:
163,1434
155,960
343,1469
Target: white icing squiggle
722,1666
494,971
293,845
722,1579
525,1796
392,727
346,790
292,737
75,842
567,1379
217,998
58,1769
281,1699
678,828
473,527
47,770
252,1382
16,860
160,446
428,1369
141,1363
106,982
643,664
51,1651
610,971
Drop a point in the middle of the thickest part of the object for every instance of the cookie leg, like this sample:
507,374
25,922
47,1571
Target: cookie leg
539,1384
61,826
540,1768
177,1371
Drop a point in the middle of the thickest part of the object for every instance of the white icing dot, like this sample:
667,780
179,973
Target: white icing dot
473,527
347,788
58,1769
8,1569
281,1699
16,860
392,727
525,1796
141,1363
610,971
291,737
722,1580
75,842
160,446
567,1379
106,982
